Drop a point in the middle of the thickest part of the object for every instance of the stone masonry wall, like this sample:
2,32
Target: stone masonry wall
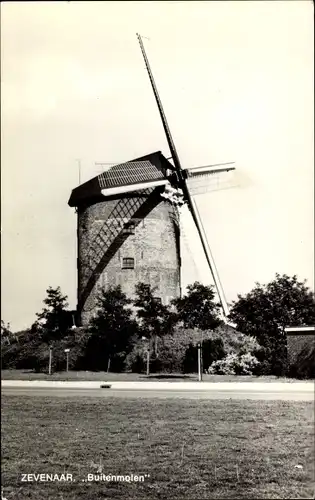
154,247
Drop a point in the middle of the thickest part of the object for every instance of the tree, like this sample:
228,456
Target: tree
53,321
112,329
267,310
197,309
7,337
31,352
155,319
21,354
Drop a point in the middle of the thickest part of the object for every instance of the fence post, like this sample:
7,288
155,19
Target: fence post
199,363
50,360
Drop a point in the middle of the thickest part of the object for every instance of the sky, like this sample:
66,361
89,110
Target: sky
237,83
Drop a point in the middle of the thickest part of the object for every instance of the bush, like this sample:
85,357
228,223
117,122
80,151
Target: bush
176,353
21,354
97,358
10,355
76,341
168,359
212,350
136,359
272,360
32,351
170,355
234,364
236,342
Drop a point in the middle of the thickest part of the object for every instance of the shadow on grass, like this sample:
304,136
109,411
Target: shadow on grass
162,376
158,376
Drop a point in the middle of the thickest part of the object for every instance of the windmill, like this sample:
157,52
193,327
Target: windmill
129,224
126,232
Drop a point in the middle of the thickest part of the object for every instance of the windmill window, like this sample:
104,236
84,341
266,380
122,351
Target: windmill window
128,263
129,228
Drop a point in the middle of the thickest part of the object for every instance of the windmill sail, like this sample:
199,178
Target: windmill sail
208,178
182,175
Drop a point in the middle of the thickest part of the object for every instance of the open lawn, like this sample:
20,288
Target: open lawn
188,449
110,377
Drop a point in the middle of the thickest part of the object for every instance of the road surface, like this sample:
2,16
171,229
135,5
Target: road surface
270,393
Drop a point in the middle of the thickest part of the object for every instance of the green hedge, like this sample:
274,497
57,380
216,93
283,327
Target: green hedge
178,352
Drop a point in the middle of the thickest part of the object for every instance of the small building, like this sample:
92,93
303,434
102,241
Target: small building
301,349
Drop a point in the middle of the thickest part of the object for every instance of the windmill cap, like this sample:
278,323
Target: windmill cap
152,167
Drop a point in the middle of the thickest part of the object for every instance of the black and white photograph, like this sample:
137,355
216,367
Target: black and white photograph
157,250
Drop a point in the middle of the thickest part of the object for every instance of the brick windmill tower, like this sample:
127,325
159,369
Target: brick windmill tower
128,224
127,232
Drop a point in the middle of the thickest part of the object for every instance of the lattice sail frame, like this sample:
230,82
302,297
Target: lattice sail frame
209,178
135,176
129,173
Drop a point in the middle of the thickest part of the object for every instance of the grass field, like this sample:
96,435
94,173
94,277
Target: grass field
189,449
103,376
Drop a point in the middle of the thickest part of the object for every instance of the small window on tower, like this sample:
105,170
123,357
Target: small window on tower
128,263
129,228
